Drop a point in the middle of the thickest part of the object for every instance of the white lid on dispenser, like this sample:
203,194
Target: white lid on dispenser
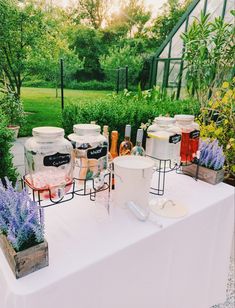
164,120
48,132
86,129
184,117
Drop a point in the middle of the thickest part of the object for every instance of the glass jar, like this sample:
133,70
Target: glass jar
91,153
48,162
190,137
163,140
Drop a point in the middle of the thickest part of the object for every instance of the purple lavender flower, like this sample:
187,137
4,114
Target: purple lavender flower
211,154
19,218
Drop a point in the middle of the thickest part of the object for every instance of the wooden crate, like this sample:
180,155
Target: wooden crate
204,174
26,261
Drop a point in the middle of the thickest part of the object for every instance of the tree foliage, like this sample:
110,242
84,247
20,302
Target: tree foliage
209,55
132,18
170,14
93,11
121,57
21,31
31,44
34,35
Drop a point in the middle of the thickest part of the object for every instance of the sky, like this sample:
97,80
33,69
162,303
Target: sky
153,4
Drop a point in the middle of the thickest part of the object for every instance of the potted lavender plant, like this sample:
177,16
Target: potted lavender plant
209,167
21,232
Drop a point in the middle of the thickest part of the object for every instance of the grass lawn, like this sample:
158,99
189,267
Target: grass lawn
44,109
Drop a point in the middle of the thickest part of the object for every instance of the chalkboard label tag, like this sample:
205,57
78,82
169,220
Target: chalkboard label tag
56,160
175,138
194,134
96,153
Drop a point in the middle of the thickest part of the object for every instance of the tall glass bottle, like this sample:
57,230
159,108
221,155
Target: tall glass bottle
114,152
106,135
114,144
138,150
126,145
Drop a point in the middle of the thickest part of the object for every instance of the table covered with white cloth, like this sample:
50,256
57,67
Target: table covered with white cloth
98,260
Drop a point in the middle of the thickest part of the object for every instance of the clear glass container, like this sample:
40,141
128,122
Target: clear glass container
138,150
91,153
163,140
48,162
190,137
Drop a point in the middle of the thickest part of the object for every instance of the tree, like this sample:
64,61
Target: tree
87,44
21,31
31,43
45,63
93,11
121,57
166,20
131,19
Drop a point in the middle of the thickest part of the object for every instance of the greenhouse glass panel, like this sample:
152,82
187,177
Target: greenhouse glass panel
215,8
174,71
183,81
165,52
177,43
196,12
229,18
160,72
169,72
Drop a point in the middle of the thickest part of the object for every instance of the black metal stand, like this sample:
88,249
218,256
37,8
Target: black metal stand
88,188
163,166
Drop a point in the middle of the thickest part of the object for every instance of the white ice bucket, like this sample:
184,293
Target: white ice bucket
133,176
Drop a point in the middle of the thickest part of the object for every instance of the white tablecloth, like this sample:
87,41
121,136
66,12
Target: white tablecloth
116,261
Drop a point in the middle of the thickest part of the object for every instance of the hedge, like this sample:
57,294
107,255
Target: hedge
127,108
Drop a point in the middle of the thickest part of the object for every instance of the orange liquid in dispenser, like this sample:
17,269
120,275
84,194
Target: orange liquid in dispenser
189,147
194,146
185,148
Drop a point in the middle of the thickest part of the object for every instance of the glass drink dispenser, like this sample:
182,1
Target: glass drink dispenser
190,137
48,162
91,153
163,140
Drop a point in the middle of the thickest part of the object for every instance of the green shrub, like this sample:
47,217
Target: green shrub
6,139
12,108
73,84
217,121
126,108
120,57
90,85
38,83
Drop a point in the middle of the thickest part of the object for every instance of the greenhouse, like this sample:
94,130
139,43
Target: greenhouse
117,153
168,67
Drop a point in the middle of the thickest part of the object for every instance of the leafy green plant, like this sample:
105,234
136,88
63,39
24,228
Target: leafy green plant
209,55
121,57
72,84
125,108
6,139
90,85
12,107
220,122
